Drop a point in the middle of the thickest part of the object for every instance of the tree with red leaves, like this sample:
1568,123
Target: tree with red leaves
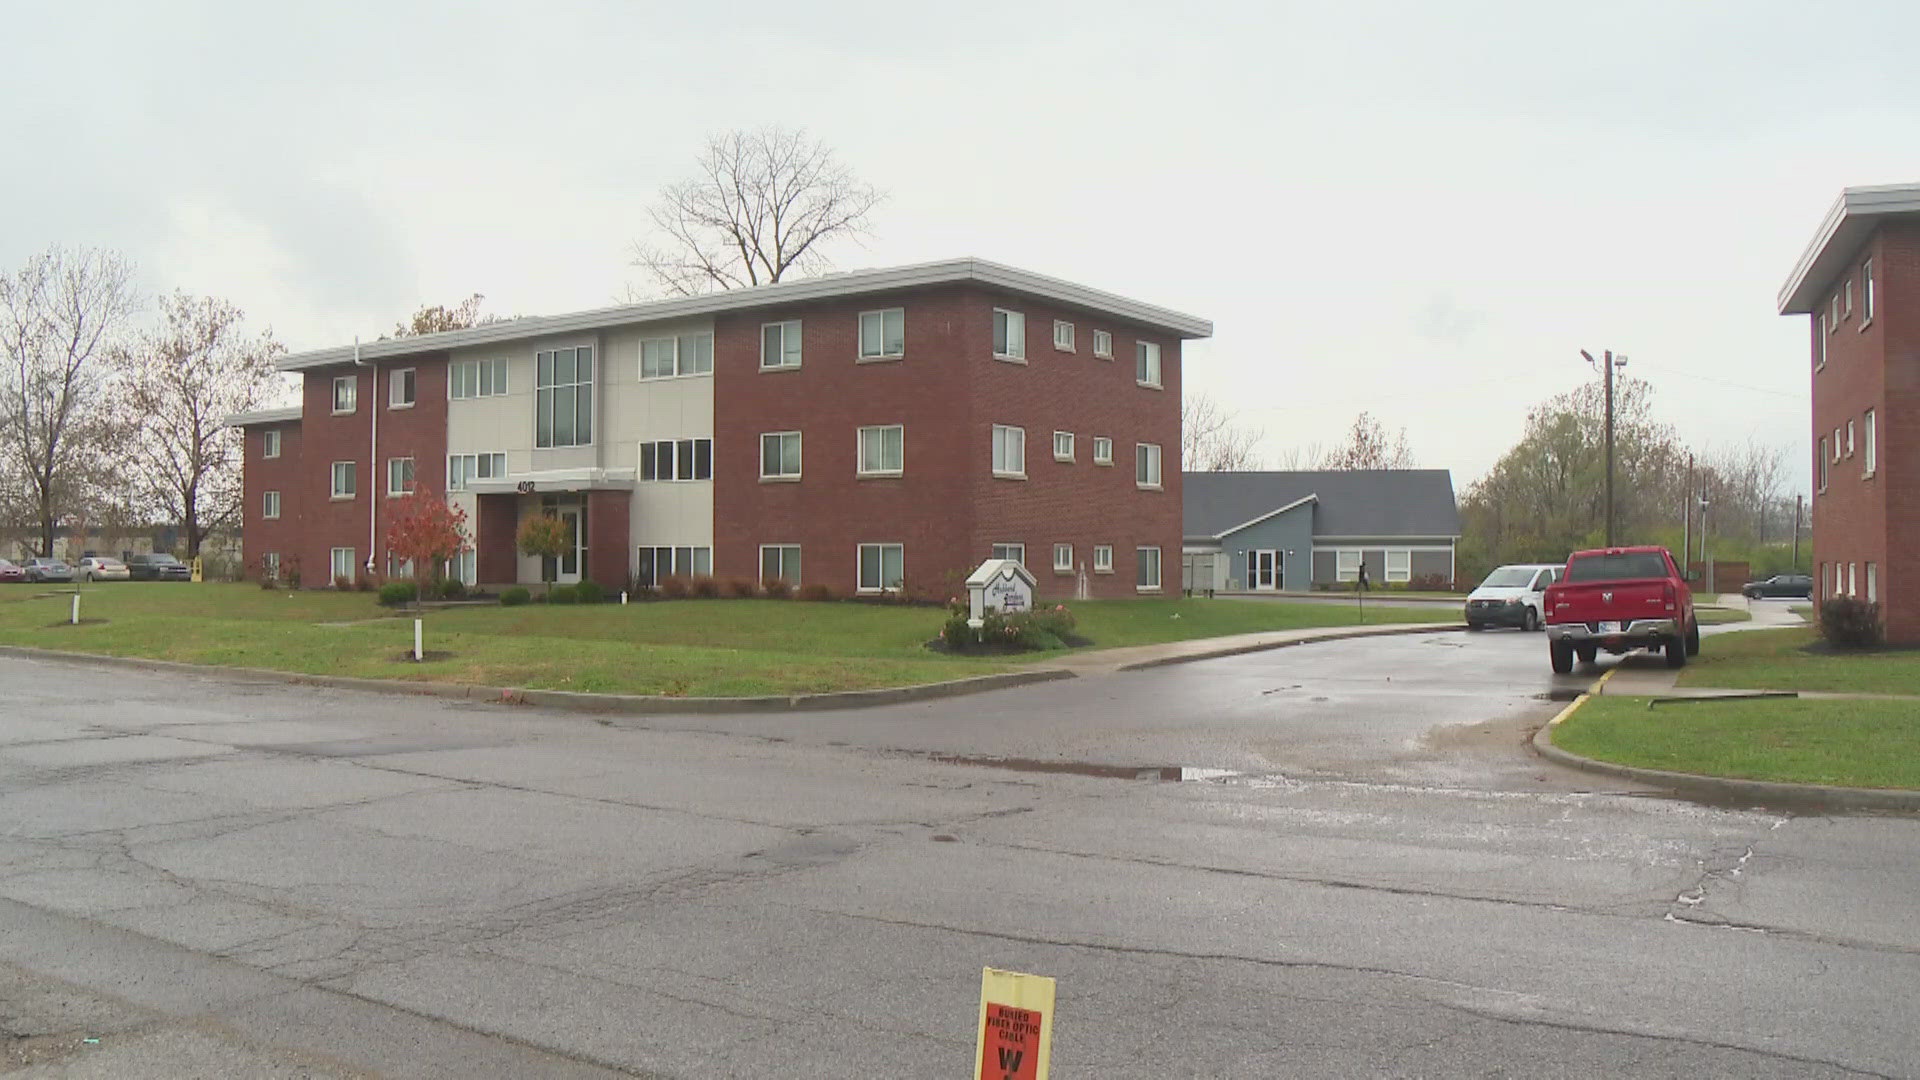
427,531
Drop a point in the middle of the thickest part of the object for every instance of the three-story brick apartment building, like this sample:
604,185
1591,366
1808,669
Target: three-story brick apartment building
862,430
1859,281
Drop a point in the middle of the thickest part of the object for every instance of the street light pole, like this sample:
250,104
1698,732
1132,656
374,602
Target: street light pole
1606,370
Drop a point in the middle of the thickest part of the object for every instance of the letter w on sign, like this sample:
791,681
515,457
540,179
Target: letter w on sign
1010,1062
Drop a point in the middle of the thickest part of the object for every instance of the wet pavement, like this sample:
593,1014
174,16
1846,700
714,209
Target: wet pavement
1361,871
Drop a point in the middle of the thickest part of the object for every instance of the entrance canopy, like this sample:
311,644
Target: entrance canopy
555,481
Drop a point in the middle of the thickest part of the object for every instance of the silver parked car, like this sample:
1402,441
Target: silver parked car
103,568
44,570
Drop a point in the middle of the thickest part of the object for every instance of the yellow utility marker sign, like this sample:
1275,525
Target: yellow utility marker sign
1016,1026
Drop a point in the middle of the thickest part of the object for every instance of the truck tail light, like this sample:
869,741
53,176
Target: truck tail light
1667,594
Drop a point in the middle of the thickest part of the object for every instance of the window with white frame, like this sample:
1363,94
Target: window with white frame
346,390
563,397
1063,446
477,379
1822,486
781,561
343,564
882,567
398,567
270,565
1849,438
1009,334
669,357
1063,335
1866,293
1399,565
883,334
1146,465
270,505
270,443
401,386
464,567
400,476
1833,313
1102,450
1346,565
1103,558
1820,344
676,459
882,450
1015,552
1873,584
780,345
1869,445
463,469
1103,344
1836,444
1009,451
1146,363
1147,566
780,455
1846,306
1853,579
343,480
656,564
1063,557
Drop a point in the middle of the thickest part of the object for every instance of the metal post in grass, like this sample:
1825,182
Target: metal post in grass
75,619
417,654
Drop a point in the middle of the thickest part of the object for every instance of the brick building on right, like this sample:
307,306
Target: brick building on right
1859,283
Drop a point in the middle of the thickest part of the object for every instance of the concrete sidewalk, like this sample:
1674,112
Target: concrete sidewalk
1136,657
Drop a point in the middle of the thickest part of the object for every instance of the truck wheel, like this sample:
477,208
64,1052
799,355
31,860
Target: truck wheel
1561,654
1677,652
1693,638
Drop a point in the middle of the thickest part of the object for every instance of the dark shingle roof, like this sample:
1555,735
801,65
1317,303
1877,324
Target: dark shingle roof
1377,502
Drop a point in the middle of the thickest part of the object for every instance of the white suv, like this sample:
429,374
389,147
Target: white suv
1512,596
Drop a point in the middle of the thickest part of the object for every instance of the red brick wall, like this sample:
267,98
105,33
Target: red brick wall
496,521
947,509
609,517
259,475
419,432
1873,365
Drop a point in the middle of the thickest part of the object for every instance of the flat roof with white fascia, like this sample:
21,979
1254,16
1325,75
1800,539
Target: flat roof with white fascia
1847,225
264,416
828,286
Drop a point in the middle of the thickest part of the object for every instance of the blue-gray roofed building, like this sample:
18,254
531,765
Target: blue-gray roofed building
1269,531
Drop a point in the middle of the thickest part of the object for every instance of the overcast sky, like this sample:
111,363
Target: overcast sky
1422,210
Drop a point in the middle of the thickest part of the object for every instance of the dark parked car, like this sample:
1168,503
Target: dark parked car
1779,585
158,567
48,570
10,572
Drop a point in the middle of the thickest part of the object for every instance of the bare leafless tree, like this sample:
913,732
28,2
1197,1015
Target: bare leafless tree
764,204
1370,446
58,314
1301,458
1211,440
179,381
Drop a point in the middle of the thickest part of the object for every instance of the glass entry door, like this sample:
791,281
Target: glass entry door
565,570
1264,570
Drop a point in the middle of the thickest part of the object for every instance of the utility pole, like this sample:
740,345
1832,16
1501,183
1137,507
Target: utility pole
1796,533
1686,516
1606,370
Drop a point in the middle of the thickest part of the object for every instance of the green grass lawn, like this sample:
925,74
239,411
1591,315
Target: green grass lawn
691,647
1716,616
1853,743
1778,660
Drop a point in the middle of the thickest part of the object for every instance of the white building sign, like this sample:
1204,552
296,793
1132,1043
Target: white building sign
1001,585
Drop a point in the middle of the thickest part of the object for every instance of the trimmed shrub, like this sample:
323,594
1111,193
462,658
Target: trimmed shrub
741,588
673,588
369,583
777,588
705,588
589,592
395,593
1848,622
1046,628
515,596
816,592
267,582
450,588
561,594
343,583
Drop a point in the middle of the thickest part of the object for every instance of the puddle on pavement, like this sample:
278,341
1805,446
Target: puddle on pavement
1165,773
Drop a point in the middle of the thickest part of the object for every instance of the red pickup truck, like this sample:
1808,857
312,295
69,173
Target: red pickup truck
1620,599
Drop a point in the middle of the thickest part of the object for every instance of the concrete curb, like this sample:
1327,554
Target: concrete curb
1313,639
569,700
1723,790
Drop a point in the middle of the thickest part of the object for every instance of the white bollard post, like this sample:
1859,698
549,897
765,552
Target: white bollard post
75,620
623,596
416,640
